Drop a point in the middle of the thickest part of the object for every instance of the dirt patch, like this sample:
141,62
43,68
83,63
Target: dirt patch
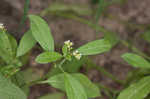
134,11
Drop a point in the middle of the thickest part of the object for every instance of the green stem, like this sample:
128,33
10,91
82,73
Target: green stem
98,28
35,81
126,23
101,69
47,75
60,65
76,18
26,8
101,7
108,91
91,64
135,49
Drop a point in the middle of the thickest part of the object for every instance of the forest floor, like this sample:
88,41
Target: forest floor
135,12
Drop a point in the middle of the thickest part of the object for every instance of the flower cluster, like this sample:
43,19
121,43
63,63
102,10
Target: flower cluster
77,54
2,26
69,44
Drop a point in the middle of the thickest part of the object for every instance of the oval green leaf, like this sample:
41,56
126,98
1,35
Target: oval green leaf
6,51
135,60
27,42
47,57
5,44
10,91
56,95
73,8
41,32
73,88
138,90
95,47
65,50
13,44
112,38
57,81
87,84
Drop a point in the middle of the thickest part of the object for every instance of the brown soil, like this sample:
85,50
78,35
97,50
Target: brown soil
135,12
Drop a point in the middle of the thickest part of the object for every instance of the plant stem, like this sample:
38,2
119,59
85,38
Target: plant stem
100,29
106,90
109,92
60,65
46,76
76,18
26,8
101,69
36,81
135,49
126,23
91,64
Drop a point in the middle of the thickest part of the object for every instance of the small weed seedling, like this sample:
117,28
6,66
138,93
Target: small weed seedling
76,85
65,74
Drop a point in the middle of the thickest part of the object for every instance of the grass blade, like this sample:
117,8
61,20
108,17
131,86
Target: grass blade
26,8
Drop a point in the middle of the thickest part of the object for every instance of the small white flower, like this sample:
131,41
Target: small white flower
2,26
77,54
69,44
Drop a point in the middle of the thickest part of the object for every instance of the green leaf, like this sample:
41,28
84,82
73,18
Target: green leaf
73,88
87,84
19,80
56,95
81,9
26,43
136,75
100,9
6,51
30,75
47,57
68,8
136,60
13,44
41,32
25,13
9,91
138,90
146,36
5,43
65,50
57,81
72,66
5,57
95,47
112,38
